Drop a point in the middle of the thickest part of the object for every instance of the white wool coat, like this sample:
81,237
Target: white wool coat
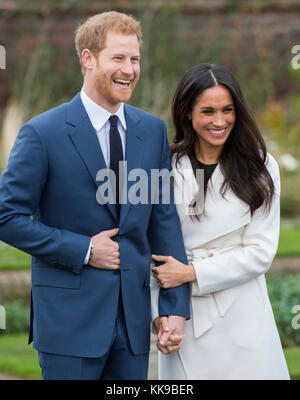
232,333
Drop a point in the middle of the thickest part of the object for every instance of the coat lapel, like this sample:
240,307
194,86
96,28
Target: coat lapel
134,149
84,138
221,215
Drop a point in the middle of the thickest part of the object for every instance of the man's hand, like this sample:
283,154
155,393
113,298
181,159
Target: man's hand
106,252
170,333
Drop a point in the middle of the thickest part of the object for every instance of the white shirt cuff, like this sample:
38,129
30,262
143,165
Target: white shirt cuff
87,257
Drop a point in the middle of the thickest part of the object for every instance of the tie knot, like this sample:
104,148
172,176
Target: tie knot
113,121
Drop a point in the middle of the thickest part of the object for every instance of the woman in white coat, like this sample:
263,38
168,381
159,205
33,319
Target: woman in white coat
231,235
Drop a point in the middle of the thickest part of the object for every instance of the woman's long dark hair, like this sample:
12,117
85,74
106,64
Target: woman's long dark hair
243,157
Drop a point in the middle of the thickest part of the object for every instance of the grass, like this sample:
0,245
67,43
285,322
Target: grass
289,243
292,355
11,258
19,359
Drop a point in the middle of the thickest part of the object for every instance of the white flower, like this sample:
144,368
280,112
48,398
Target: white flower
288,162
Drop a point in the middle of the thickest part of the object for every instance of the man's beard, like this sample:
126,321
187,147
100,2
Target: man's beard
105,90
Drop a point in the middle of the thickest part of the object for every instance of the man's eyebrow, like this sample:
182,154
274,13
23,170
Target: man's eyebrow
123,55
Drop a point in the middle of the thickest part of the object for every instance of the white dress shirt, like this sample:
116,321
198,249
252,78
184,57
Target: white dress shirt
99,118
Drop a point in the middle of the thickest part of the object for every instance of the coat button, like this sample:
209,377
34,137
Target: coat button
116,271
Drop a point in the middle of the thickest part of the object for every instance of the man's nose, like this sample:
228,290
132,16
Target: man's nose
127,68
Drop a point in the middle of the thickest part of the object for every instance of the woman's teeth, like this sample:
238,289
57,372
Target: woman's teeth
217,132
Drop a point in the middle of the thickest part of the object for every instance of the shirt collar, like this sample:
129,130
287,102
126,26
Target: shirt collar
97,114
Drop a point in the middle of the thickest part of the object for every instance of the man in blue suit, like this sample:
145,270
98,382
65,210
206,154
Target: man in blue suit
90,316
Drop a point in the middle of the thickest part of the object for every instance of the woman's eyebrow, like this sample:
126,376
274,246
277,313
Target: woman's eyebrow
211,108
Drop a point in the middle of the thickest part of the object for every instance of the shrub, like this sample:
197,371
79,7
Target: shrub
284,293
17,317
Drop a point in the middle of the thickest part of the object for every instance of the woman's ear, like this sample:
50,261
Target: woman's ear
189,116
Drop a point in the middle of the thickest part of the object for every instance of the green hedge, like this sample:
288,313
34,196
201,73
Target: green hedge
284,293
17,317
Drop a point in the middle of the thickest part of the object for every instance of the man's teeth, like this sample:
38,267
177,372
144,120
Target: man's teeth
217,132
122,81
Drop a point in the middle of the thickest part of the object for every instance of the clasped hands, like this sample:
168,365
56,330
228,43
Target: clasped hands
171,273
169,333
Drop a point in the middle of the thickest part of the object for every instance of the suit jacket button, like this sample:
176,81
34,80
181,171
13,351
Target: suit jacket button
116,271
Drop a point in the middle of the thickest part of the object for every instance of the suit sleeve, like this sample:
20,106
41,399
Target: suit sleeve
21,188
253,258
165,238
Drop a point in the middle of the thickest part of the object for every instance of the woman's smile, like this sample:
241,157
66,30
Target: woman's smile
217,132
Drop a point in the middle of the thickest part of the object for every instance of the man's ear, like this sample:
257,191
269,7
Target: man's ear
88,59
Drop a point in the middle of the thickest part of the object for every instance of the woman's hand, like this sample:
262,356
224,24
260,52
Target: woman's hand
172,273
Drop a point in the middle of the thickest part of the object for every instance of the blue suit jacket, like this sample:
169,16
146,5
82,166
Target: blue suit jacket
48,208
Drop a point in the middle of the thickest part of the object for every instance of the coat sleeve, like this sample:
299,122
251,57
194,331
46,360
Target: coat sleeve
21,188
165,238
253,258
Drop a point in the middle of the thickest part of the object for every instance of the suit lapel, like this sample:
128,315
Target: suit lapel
85,140
134,148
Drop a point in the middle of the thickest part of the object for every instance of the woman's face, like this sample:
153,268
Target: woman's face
213,117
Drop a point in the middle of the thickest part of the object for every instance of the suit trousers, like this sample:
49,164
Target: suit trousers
118,362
